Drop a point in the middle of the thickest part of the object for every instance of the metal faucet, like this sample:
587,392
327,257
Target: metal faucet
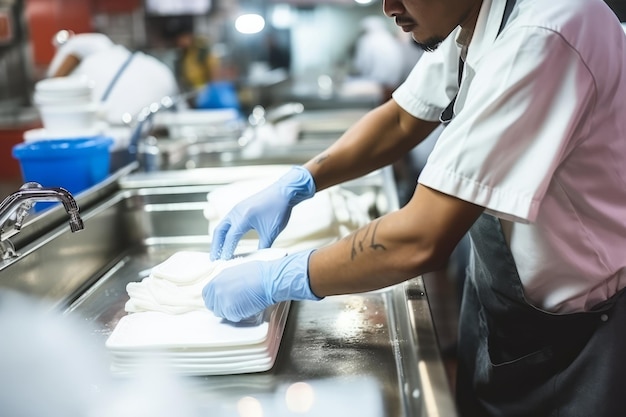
142,146
260,116
20,203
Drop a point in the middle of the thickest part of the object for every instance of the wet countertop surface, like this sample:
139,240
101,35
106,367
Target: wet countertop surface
384,335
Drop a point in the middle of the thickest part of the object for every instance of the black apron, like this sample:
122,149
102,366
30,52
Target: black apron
517,360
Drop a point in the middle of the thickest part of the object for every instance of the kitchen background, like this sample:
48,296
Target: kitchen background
315,36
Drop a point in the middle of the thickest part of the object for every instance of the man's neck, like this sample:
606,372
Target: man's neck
469,22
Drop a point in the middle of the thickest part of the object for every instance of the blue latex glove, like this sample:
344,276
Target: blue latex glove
267,212
246,289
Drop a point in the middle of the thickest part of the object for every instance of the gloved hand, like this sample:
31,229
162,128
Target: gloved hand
246,289
267,212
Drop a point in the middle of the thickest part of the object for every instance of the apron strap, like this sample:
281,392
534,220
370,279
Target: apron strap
116,77
508,8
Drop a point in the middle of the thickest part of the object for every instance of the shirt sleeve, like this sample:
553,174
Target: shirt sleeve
432,83
520,113
84,44
80,46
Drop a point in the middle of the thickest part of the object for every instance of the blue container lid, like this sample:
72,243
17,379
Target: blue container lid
63,148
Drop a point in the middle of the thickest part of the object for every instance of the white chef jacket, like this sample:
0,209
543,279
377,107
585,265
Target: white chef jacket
539,140
145,80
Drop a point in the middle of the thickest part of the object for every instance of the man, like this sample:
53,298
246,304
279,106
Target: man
195,65
124,82
531,163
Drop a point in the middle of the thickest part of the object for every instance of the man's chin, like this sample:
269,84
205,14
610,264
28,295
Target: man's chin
428,45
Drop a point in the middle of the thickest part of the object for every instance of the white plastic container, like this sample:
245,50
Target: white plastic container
66,105
62,90
69,119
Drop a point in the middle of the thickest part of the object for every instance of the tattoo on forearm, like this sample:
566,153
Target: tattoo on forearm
321,159
359,245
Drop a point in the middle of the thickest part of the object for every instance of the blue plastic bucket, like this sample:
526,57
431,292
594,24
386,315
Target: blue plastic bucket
74,164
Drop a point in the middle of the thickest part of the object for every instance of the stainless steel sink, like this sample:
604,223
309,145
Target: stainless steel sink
183,154
311,132
148,218
372,334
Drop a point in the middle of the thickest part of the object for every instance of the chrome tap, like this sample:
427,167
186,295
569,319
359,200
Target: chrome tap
142,146
21,201
260,116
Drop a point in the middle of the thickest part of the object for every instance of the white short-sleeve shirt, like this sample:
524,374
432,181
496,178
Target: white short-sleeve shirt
539,140
137,82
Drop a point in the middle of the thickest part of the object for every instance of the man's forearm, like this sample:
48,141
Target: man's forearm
365,260
401,245
378,139
67,66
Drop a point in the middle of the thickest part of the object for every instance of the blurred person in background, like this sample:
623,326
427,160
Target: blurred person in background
198,67
382,57
124,81
195,64
278,50
411,52
379,56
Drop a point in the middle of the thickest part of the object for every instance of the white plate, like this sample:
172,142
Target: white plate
197,368
195,359
195,329
237,361
151,331
205,371
33,135
175,352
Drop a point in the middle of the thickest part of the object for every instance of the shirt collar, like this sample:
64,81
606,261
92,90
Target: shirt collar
485,31
463,40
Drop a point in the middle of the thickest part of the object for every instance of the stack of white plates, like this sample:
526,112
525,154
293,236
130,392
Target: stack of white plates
34,135
169,324
196,343
66,105
62,91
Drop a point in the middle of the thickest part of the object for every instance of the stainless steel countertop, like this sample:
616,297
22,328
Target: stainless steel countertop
387,335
